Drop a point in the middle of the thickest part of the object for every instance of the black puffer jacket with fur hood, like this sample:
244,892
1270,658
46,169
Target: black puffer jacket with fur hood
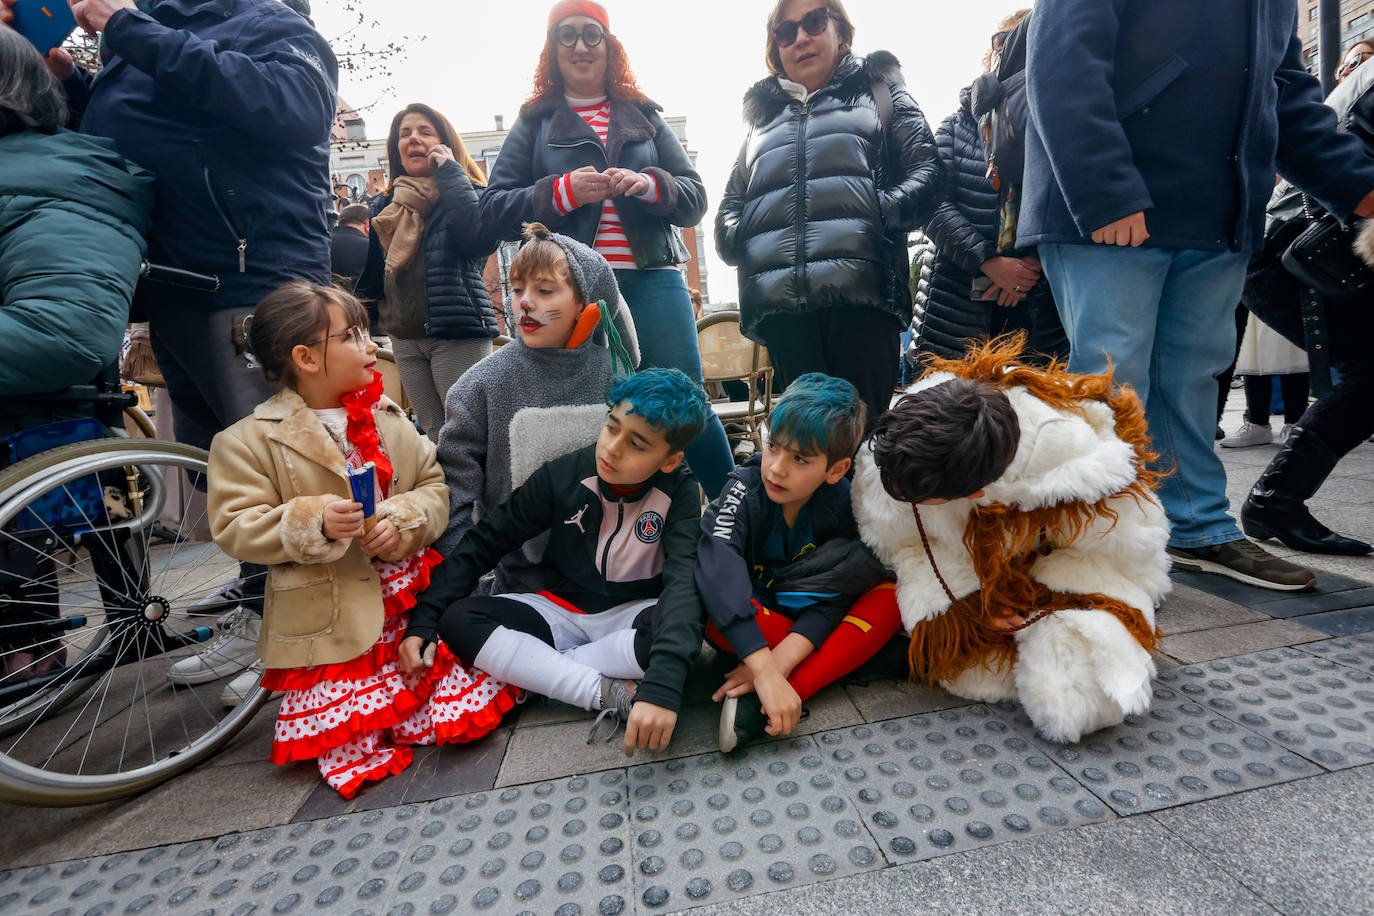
814,216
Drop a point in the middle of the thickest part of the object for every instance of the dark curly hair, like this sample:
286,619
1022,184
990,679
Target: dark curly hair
945,442
620,81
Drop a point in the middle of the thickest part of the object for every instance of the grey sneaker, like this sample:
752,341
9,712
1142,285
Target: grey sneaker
1245,561
617,697
1249,435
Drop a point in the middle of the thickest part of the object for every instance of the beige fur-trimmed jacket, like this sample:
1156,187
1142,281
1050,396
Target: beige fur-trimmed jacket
271,475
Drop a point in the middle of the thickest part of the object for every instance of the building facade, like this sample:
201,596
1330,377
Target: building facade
361,164
1357,22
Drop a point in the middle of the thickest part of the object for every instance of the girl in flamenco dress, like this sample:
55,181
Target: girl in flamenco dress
340,586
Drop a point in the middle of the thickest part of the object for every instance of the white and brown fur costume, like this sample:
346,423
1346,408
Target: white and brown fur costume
1070,536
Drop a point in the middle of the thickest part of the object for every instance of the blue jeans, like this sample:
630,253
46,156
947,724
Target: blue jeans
667,332
1164,320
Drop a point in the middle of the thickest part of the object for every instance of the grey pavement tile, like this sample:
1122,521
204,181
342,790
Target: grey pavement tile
203,802
253,743
1252,596
1187,610
155,880
1305,847
435,772
1178,751
1301,603
1205,645
1131,866
1237,460
1162,661
931,785
547,847
550,751
1311,705
1352,651
1347,489
1340,623
773,816
1360,568
888,699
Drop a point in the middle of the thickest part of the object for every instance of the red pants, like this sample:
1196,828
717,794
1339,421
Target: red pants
871,622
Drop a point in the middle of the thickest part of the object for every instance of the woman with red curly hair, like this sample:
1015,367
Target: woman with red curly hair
591,157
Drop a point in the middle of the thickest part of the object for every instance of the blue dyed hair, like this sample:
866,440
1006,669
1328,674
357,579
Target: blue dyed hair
667,400
819,414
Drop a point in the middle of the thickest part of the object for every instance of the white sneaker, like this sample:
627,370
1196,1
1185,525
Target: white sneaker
234,691
1283,433
1248,436
235,650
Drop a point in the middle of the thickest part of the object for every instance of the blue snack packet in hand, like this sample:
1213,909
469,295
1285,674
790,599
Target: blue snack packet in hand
45,23
363,482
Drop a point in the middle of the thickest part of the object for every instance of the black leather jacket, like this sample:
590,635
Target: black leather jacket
456,246
550,140
813,215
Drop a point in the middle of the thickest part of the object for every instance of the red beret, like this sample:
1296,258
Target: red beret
566,8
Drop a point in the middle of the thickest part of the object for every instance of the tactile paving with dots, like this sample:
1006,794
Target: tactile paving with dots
554,847
1176,752
1352,651
947,782
1308,704
714,828
158,880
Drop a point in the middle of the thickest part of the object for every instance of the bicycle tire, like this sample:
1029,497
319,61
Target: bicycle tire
23,782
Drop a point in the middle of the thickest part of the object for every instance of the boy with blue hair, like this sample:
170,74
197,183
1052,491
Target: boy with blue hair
789,587
619,604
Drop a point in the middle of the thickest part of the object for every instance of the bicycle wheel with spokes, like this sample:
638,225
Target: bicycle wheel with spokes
103,546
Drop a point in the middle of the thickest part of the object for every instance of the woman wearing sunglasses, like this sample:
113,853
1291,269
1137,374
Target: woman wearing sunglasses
592,158
815,216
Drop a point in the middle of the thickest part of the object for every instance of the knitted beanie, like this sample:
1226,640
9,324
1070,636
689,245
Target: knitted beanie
587,8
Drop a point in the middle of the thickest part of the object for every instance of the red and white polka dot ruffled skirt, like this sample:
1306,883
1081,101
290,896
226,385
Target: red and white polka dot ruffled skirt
359,718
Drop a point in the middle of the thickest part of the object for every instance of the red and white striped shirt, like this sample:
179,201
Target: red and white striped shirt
610,236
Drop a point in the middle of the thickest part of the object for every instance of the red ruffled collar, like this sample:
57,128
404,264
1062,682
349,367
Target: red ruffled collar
362,428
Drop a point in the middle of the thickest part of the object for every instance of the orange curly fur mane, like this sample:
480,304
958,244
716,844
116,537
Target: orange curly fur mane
1004,542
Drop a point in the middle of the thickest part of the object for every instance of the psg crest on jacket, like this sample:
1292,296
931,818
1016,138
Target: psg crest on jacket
649,527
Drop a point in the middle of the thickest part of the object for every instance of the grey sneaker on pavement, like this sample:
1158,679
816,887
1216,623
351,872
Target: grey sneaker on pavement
1249,435
235,650
617,696
1245,561
236,690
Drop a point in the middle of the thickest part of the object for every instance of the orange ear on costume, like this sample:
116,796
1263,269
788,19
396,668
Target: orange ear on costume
586,324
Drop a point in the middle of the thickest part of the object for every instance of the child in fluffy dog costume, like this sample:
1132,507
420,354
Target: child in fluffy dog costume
1016,506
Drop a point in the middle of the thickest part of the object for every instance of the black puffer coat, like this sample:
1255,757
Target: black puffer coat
457,244
812,216
551,139
960,237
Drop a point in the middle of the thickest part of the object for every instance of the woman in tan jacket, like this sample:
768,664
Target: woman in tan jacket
340,585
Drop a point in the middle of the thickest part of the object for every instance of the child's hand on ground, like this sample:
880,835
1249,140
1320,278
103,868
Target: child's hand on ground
343,518
780,703
383,539
408,657
650,727
737,683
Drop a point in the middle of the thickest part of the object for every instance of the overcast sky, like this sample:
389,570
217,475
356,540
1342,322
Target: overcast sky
474,60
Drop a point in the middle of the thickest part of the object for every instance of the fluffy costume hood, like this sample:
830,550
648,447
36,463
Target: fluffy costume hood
1071,536
766,98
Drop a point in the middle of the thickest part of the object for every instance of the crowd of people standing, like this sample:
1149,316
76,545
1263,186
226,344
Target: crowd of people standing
1101,190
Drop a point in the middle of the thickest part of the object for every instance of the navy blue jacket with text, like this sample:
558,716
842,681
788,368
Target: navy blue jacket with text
1184,109
229,103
